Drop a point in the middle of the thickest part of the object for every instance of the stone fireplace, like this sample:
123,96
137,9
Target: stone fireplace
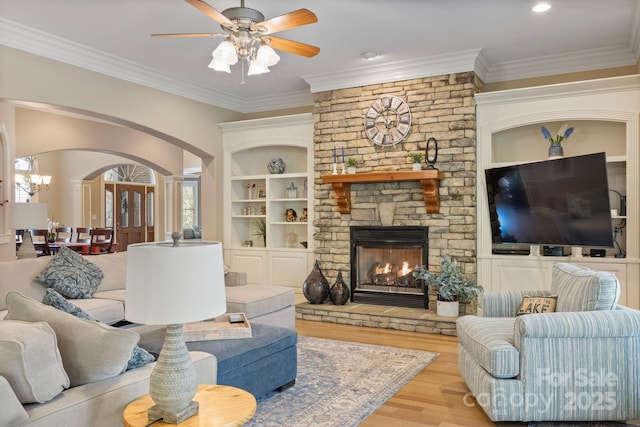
442,107
382,264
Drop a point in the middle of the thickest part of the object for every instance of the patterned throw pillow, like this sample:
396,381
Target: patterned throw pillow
71,274
140,356
532,305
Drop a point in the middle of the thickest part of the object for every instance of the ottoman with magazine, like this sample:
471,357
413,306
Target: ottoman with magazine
268,361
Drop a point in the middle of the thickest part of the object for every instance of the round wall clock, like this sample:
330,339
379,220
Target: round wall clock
388,121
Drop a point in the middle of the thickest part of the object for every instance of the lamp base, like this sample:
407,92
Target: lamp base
26,249
173,381
170,417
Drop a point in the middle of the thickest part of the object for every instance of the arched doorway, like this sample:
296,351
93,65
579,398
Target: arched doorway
129,196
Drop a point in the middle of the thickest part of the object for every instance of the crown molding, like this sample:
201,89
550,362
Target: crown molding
49,46
586,60
394,71
558,90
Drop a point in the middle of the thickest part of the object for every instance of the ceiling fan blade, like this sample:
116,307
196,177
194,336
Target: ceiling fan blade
297,18
190,35
211,13
293,47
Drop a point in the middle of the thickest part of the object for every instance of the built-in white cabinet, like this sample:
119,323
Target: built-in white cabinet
268,230
605,114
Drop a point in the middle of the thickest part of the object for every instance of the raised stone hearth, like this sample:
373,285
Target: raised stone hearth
377,316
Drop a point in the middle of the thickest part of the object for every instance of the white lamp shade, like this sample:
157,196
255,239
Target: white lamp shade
169,284
219,65
28,216
266,56
226,52
255,68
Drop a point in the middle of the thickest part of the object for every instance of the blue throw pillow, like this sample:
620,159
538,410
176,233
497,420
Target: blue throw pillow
51,297
71,274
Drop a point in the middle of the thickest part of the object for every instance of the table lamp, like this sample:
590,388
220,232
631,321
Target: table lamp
171,284
27,216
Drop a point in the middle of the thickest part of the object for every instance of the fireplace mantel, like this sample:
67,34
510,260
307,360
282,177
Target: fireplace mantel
429,179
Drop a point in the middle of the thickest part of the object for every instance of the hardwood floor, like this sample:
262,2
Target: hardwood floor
435,397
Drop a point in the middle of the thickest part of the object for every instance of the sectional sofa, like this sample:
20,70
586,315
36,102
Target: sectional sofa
80,398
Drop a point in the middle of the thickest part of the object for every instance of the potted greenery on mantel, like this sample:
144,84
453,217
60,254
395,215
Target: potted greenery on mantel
451,284
351,165
416,160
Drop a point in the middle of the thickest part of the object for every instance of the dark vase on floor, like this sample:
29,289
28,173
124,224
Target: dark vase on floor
315,287
339,292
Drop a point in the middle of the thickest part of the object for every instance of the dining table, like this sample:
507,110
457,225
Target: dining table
82,247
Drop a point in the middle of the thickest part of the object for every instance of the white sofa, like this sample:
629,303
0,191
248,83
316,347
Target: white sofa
101,403
271,305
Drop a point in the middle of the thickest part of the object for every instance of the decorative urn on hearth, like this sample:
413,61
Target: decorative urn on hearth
339,292
315,287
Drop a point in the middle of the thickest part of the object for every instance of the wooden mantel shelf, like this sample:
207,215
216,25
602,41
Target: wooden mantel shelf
429,179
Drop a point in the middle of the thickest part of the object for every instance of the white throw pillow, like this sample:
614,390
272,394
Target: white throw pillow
91,351
31,362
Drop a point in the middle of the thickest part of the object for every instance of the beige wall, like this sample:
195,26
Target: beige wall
170,119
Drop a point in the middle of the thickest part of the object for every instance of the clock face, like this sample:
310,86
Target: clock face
388,121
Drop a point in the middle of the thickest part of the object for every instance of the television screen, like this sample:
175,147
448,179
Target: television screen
560,202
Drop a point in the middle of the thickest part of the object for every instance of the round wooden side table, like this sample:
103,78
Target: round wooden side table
220,405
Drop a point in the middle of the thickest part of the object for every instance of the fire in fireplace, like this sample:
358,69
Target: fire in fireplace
382,263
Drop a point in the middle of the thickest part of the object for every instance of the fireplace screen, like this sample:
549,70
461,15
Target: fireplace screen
383,259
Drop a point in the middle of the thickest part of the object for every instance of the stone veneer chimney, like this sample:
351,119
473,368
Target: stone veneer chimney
442,107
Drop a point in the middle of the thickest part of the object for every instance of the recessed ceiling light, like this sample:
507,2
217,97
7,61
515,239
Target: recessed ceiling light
541,7
369,55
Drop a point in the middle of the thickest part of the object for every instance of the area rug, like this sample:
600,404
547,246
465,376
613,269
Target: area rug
339,383
582,424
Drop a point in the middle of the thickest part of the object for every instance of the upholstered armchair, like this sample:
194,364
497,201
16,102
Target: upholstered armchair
579,363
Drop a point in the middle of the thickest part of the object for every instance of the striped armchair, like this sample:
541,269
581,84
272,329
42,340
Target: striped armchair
579,363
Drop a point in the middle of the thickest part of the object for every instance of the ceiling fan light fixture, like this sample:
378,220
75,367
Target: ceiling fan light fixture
266,56
226,52
256,68
219,65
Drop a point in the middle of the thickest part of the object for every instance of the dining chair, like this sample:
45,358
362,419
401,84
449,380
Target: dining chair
83,234
101,241
64,234
40,243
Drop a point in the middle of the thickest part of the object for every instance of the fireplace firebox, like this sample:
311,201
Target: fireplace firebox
382,263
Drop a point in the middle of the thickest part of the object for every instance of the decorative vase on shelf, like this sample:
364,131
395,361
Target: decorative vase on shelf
555,151
339,292
276,166
292,239
315,287
417,167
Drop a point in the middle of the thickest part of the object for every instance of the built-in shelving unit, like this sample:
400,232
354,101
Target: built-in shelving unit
255,199
605,115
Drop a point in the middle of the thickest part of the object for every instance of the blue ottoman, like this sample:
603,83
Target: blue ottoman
265,362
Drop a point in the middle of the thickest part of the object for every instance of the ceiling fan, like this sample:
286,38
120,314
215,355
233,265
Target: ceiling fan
249,36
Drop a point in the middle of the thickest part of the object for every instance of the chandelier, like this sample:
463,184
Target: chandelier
31,181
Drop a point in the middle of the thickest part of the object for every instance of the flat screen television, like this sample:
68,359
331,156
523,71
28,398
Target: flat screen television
560,202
